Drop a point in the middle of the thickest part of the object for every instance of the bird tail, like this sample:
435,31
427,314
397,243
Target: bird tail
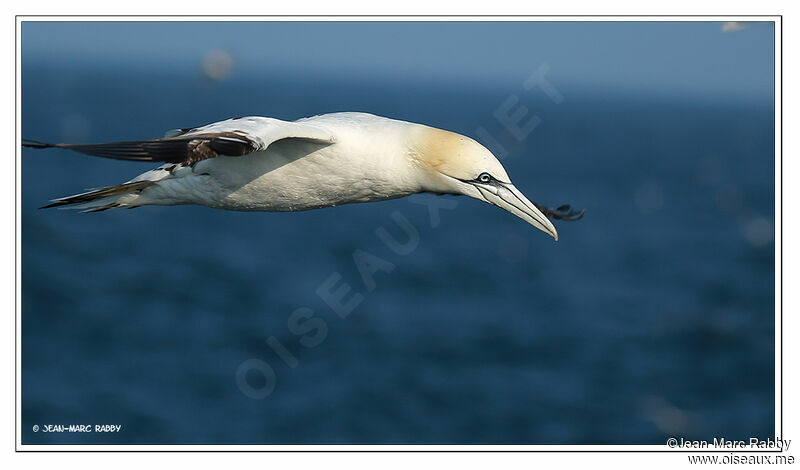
100,199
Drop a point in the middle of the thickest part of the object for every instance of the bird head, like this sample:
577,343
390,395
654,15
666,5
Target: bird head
456,164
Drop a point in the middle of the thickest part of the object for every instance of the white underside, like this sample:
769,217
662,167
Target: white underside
293,174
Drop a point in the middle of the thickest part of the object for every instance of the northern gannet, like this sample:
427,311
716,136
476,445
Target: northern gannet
266,164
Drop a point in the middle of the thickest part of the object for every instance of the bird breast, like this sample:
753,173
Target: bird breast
295,175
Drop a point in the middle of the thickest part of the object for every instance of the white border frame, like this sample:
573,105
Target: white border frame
776,19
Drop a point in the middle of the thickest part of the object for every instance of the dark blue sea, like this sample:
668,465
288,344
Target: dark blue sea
652,317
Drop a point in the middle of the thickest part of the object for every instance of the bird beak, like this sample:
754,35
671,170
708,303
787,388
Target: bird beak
506,196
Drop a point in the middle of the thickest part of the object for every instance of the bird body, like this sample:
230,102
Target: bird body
363,161
266,164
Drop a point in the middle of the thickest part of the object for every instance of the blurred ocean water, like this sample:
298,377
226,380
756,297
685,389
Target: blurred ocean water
650,318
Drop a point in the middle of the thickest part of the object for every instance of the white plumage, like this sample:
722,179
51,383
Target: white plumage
266,164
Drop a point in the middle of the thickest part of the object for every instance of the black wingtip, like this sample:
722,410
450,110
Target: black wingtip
53,204
566,212
36,144
563,212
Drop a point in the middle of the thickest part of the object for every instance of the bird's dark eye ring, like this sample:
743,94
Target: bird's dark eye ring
484,178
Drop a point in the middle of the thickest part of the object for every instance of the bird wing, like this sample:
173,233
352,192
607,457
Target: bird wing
232,138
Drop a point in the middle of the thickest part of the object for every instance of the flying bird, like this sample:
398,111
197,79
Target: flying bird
266,164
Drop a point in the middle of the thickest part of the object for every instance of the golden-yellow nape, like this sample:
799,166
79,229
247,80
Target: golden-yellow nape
466,167
454,155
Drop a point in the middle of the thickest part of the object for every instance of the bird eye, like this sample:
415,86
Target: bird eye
484,178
